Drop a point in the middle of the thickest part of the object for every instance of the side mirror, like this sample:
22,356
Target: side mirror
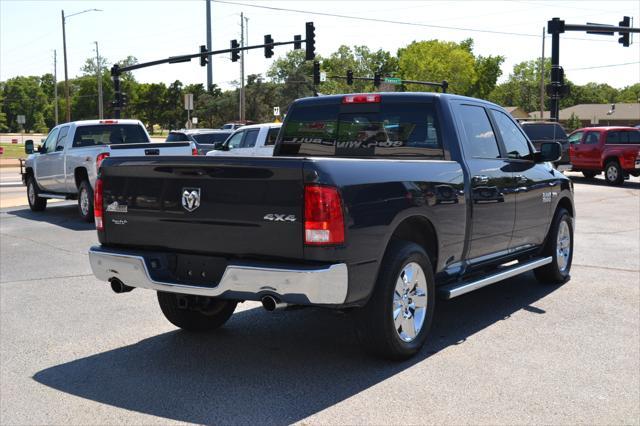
218,145
549,151
28,146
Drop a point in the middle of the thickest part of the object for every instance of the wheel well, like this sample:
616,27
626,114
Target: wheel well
419,230
609,159
566,204
28,171
80,174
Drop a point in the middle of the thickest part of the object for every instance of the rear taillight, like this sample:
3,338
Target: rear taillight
97,205
323,219
100,158
371,98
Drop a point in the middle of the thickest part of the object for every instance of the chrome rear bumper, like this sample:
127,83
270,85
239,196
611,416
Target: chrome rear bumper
317,285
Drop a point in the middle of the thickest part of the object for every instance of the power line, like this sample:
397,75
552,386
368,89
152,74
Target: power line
387,21
603,66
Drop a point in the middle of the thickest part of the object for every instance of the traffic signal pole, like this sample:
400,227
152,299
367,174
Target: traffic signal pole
116,70
555,27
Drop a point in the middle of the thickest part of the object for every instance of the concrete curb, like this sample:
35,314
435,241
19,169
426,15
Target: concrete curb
9,162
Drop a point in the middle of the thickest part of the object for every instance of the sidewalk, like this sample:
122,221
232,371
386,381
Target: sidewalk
9,162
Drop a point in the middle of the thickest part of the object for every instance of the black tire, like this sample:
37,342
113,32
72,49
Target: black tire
36,204
85,211
376,327
556,272
613,173
199,314
589,175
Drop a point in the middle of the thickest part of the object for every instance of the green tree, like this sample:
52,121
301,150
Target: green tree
573,123
25,96
436,60
630,94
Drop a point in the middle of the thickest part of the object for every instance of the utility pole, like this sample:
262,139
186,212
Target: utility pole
242,67
66,75
99,71
55,84
209,63
542,78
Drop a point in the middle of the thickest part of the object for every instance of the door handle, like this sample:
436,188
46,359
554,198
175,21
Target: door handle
481,179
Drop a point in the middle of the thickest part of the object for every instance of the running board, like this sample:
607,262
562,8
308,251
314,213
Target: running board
458,289
46,195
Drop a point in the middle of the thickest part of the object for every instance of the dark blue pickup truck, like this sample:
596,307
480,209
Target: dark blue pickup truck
372,203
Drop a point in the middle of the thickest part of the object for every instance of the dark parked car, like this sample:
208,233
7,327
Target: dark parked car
548,131
205,140
372,203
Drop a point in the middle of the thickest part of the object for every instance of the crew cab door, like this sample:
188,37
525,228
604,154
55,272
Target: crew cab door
534,184
266,142
240,144
492,188
588,152
45,162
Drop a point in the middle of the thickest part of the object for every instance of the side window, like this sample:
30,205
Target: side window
251,138
592,138
62,138
634,137
272,136
513,139
480,140
614,137
235,141
575,138
50,143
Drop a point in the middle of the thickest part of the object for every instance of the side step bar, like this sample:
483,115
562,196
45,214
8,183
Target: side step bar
450,291
57,196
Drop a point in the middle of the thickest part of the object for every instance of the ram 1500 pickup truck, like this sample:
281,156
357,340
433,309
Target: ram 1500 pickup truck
372,203
65,166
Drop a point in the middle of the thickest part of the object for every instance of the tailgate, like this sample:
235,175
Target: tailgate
224,206
150,149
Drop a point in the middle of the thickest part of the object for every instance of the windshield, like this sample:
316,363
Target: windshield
550,131
374,130
107,134
211,137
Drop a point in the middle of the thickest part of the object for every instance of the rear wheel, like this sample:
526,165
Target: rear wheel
195,313
85,201
559,247
396,321
37,204
613,173
589,175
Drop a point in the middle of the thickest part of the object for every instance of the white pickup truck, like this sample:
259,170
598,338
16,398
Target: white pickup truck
66,165
256,140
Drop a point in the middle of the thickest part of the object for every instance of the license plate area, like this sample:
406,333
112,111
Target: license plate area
203,271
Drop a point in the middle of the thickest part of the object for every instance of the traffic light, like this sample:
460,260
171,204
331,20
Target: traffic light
316,73
235,55
376,79
124,100
310,41
203,58
349,77
268,46
297,39
625,38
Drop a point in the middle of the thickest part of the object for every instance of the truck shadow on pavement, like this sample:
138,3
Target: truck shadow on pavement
64,215
266,368
628,184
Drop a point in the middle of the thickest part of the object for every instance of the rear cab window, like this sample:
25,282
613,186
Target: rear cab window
592,138
210,138
544,131
109,134
363,130
480,140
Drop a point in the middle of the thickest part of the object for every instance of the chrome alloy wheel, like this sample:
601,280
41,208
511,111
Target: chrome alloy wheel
563,246
84,202
612,173
31,193
410,302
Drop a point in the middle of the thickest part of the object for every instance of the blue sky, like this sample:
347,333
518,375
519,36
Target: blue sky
148,30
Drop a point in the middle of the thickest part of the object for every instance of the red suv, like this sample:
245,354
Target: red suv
614,150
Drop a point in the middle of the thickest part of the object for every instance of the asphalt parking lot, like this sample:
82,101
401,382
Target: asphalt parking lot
72,351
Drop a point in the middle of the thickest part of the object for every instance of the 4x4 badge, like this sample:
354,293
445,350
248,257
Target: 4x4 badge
190,198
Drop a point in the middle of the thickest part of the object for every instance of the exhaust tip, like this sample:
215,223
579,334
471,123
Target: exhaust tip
269,303
119,287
